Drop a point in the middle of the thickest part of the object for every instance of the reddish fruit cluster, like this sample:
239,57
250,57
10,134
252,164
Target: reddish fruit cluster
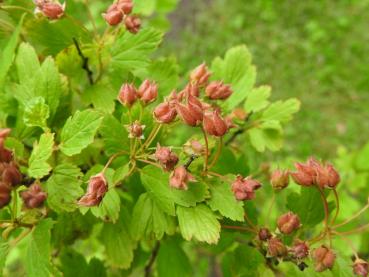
244,188
324,258
361,268
34,196
280,179
135,130
315,173
276,248
300,249
166,157
147,93
118,12
288,223
52,10
97,187
180,177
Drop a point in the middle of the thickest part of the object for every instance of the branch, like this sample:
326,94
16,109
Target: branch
84,62
190,160
154,254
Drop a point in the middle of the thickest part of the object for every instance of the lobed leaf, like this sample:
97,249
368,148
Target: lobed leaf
38,166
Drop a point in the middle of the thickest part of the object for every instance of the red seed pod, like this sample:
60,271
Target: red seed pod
218,90
34,196
305,174
276,248
11,175
52,10
300,249
280,179
180,177
334,177
214,124
166,157
5,155
288,223
361,268
264,234
244,188
324,258
165,113
113,15
192,89
133,24
148,91
135,130
5,194
192,113
200,75
97,187
125,6
127,95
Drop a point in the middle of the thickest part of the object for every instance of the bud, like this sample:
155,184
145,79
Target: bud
34,196
113,15
52,10
194,147
97,187
125,6
127,95
280,179
166,157
244,188
276,248
218,90
135,130
200,75
5,194
214,124
361,268
133,24
323,258
11,175
288,223
148,91
192,113
264,234
180,177
300,249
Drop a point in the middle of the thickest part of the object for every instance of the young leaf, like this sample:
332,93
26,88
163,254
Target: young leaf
281,111
198,222
27,63
118,242
37,262
257,99
223,200
38,166
64,188
36,113
115,136
79,131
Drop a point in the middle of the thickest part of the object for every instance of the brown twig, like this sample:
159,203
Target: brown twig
85,65
153,256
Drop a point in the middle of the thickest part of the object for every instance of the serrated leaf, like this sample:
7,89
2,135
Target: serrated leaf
223,200
16,146
38,166
118,242
115,136
36,113
262,139
195,193
149,221
257,99
79,131
281,110
109,207
64,188
199,223
130,52
101,96
27,63
37,262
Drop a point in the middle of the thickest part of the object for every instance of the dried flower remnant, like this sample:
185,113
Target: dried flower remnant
192,113
165,113
135,130
194,147
97,187
244,188
180,178
276,248
214,124
300,249
166,157
217,90
280,179
361,268
324,258
288,223
11,174
34,196
133,24
200,75
264,234
148,91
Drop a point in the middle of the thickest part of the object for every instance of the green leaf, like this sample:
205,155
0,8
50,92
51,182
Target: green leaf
156,184
109,207
362,158
37,262
281,111
130,52
118,242
16,146
79,131
144,7
195,193
149,221
308,205
257,99
7,55
237,70
38,166
114,135
64,188
101,96
172,260
198,222
36,113
4,250
265,138
27,63
223,200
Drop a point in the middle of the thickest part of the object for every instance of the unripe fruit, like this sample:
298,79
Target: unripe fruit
192,113
200,75
135,130
97,187
166,157
133,24
361,268
276,248
148,91
5,194
34,196
280,179
324,258
165,112
300,249
244,188
125,6
180,177
53,10
214,124
288,223
127,95
11,175
264,234
113,15
218,90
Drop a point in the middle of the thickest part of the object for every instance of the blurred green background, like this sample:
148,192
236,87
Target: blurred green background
314,50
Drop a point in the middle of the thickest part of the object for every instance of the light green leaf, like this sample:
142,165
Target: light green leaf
118,242
38,166
115,135
262,139
4,250
7,54
144,7
362,158
37,261
199,223
36,113
27,63
64,188
281,111
101,96
149,221
16,146
130,52
257,99
79,131
223,200
109,207
195,193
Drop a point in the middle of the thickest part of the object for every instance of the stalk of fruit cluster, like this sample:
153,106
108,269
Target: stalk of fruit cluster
348,220
217,154
206,149
337,207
